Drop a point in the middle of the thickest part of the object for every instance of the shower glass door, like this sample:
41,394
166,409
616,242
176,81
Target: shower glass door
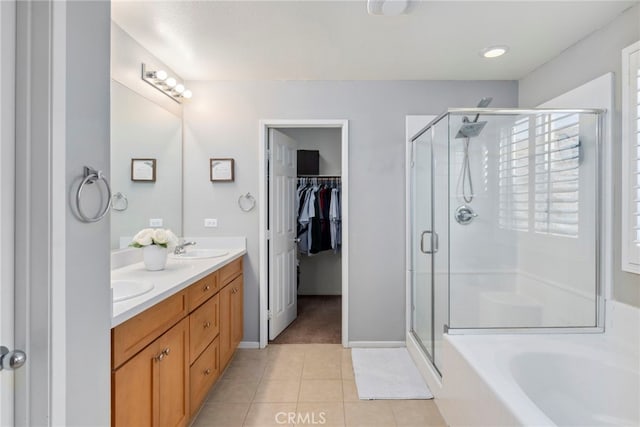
422,243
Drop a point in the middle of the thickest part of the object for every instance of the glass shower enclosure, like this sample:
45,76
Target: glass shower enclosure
505,214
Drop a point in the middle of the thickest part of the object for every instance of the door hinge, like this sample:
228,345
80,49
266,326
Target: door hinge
268,234
269,314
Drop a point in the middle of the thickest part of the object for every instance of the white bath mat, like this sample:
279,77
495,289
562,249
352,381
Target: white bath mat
387,373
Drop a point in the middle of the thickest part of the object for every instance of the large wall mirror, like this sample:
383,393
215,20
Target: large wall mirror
143,135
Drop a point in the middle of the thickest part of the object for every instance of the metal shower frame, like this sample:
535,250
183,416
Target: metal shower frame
599,217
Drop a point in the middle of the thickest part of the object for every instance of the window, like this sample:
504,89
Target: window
538,174
631,158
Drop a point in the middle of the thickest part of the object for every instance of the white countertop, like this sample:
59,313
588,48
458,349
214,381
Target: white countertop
177,275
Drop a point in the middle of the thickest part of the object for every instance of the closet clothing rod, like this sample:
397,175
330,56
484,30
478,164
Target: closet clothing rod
319,176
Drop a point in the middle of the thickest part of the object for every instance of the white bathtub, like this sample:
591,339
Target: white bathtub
543,380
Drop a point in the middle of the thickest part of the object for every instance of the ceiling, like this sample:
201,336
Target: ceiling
338,40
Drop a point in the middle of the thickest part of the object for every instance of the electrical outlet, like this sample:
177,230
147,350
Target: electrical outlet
210,222
155,222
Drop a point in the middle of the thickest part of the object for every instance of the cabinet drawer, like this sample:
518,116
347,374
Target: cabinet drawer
230,271
204,325
202,290
136,333
203,374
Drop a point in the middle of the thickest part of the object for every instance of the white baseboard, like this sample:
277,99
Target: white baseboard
249,344
376,344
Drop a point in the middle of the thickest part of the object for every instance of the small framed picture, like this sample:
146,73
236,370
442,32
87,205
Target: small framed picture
143,170
221,169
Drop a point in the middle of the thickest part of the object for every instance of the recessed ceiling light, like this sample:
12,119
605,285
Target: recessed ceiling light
494,51
387,7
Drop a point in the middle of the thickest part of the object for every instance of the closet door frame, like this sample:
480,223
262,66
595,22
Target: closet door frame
264,126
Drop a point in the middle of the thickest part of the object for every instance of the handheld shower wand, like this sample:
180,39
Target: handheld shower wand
467,130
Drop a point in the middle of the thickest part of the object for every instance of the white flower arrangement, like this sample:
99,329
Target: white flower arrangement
162,237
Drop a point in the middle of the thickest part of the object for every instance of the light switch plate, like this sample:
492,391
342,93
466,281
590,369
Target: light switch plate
210,222
155,222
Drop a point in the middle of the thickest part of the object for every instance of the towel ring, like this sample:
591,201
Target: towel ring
246,202
90,176
115,202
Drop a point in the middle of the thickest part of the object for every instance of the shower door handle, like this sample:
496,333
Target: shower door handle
434,242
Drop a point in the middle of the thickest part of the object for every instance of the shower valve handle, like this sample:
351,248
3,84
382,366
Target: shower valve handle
465,214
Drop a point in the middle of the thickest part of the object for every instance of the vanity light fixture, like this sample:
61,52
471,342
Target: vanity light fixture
494,51
166,84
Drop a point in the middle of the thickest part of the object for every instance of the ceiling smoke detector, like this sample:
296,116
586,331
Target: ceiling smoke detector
387,7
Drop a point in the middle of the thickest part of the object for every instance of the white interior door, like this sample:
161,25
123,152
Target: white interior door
7,204
283,304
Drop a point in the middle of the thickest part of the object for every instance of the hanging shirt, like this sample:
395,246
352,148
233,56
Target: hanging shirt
335,217
305,194
315,230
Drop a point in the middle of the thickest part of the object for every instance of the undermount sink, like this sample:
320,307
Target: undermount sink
200,254
127,289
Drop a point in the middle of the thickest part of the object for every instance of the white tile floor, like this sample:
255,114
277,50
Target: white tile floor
302,384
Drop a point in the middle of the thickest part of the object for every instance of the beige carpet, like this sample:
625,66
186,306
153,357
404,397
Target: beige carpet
319,322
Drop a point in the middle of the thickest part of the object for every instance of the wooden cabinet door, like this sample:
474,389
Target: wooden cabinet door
151,389
226,346
132,394
173,377
231,319
237,299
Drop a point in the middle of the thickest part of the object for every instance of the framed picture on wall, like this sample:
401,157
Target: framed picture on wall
221,170
143,170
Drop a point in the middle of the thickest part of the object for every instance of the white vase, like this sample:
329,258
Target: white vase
155,257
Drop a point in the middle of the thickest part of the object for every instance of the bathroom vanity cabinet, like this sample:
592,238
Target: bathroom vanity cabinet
166,359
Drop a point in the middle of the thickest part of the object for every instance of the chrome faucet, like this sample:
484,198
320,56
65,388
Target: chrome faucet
180,249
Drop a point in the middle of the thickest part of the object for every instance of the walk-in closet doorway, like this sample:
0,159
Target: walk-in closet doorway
286,267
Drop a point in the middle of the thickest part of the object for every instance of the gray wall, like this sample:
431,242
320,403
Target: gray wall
63,302
222,121
590,58
321,274
88,307
325,140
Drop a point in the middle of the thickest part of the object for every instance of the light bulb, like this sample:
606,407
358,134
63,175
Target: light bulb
179,88
170,82
161,75
187,94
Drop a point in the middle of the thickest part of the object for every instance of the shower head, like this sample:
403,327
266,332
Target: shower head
470,129
484,102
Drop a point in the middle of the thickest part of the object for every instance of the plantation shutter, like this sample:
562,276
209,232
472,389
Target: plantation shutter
557,174
635,153
513,177
631,160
